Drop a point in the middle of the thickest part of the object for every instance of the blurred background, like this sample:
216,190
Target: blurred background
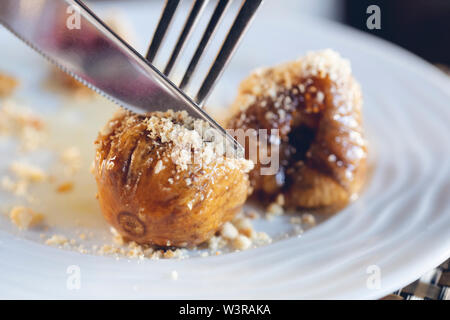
420,26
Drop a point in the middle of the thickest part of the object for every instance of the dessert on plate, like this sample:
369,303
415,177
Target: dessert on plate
315,104
162,180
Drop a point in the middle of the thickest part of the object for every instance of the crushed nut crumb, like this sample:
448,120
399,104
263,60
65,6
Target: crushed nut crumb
274,209
57,240
7,84
229,231
27,172
25,218
65,187
241,243
308,219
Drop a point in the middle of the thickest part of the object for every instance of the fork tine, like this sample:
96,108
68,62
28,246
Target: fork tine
194,14
240,25
216,17
163,26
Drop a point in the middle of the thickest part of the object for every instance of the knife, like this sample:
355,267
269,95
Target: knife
71,36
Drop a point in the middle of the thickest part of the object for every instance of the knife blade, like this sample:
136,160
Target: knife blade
71,36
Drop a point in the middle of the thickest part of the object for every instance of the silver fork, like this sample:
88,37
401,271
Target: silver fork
228,48
71,36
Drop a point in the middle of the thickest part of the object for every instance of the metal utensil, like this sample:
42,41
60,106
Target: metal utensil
71,36
237,30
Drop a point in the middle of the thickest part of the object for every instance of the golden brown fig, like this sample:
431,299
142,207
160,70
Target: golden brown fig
152,189
316,105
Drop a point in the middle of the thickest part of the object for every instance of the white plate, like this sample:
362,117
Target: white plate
400,226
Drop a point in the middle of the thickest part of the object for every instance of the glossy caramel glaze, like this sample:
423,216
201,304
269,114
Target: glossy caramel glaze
316,105
148,197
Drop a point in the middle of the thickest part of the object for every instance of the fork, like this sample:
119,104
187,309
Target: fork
234,36
133,83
